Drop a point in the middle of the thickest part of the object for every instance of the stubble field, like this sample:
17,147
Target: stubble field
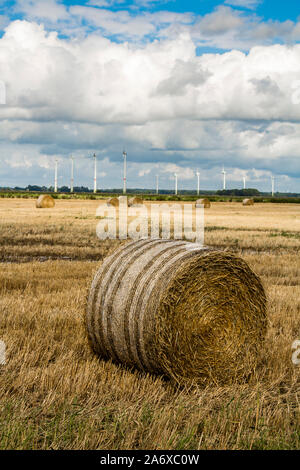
55,394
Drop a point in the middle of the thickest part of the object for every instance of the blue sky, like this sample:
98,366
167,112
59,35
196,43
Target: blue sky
181,85
267,9
276,15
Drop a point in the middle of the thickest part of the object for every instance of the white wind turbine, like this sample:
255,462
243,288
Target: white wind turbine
157,184
55,176
198,182
224,178
72,175
95,173
124,172
176,185
273,185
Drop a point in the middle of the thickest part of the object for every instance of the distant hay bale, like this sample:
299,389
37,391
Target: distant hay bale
113,201
248,202
205,202
179,309
122,200
135,201
44,202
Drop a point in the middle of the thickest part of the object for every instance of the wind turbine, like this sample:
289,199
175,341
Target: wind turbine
198,182
224,178
156,184
55,176
95,173
244,180
176,187
273,185
72,175
124,172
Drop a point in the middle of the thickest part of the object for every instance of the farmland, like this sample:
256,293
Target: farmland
55,394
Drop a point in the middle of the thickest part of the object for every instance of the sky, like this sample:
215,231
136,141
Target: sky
182,86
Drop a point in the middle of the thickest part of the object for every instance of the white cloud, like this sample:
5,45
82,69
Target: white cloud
105,3
144,171
99,3
225,27
223,19
171,109
184,173
250,4
43,9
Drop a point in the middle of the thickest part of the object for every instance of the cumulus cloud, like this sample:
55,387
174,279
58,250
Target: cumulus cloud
171,109
96,80
223,19
182,75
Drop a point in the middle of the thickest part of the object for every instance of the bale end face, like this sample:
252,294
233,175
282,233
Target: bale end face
209,330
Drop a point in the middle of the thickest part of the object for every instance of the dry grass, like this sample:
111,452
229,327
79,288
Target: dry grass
55,393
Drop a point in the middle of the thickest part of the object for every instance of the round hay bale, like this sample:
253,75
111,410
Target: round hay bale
44,202
205,202
179,309
135,201
113,201
248,202
122,200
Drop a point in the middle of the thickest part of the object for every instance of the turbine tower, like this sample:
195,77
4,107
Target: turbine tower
198,182
176,187
244,180
124,172
95,173
273,185
224,178
156,184
72,175
55,176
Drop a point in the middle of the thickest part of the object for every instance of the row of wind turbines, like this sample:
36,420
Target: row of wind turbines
157,177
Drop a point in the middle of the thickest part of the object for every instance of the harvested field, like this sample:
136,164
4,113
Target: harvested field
56,394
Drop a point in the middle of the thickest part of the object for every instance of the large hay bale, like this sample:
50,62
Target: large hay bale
248,202
45,202
203,202
135,201
113,201
179,309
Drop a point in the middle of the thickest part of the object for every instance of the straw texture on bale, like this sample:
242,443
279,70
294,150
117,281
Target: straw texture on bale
203,202
179,309
135,201
113,201
45,202
248,202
